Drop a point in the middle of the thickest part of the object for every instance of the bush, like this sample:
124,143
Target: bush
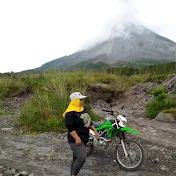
161,101
51,96
10,87
50,99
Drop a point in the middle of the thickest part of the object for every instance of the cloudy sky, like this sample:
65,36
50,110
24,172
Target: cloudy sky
33,32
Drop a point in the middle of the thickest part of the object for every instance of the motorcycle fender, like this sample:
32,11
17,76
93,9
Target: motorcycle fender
129,130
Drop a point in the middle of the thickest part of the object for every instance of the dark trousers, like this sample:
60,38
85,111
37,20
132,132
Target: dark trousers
79,157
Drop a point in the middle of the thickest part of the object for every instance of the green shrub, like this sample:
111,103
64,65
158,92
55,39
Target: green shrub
158,78
51,91
161,101
154,108
10,87
50,99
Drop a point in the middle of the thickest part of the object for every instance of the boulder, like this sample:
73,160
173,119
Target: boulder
171,84
167,117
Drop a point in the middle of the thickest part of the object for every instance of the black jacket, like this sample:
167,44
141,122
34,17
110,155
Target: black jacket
80,122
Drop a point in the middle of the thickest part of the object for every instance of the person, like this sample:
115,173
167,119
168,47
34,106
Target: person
78,123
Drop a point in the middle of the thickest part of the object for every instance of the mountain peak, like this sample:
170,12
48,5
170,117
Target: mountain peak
127,43
128,30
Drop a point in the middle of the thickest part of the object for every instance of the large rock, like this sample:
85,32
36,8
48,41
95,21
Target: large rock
167,117
171,84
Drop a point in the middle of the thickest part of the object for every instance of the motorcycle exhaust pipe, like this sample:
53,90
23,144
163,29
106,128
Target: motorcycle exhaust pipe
106,140
90,142
92,135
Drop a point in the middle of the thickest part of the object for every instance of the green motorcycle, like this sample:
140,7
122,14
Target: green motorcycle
128,153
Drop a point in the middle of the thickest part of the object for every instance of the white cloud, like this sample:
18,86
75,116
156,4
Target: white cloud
33,32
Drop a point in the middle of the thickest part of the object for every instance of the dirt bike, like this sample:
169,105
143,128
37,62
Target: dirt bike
128,153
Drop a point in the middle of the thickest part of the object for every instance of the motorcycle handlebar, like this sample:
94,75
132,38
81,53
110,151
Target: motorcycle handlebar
107,110
112,112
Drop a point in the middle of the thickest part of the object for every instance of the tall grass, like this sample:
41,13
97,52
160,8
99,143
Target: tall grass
10,87
50,99
51,90
51,95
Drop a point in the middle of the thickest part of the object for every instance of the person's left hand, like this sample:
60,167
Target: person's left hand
96,134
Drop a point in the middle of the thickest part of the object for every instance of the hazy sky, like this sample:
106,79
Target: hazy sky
33,32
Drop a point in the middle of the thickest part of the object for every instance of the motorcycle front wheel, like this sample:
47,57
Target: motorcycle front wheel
135,155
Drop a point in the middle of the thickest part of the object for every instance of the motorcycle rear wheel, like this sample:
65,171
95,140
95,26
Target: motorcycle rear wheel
89,149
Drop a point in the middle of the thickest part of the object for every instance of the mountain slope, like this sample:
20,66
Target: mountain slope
135,44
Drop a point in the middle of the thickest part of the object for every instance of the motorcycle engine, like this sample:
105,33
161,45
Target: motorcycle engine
102,144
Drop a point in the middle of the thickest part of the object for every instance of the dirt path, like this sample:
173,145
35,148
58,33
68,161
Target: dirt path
157,132
48,154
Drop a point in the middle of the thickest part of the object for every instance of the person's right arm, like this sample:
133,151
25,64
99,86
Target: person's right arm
69,122
76,137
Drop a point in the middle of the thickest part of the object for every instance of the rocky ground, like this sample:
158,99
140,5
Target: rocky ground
48,154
